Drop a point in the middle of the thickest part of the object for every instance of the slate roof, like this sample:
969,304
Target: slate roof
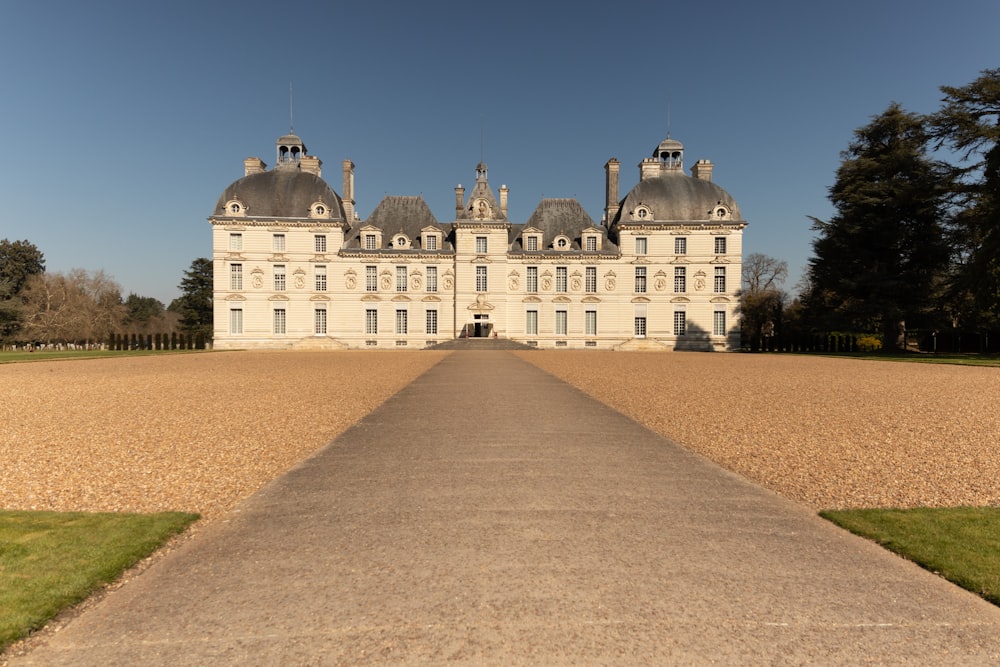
400,214
677,197
281,193
555,217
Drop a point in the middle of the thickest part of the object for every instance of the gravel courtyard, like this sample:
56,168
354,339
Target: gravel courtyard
201,432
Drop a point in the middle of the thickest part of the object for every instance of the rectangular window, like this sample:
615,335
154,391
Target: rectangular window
532,280
590,323
481,279
319,242
591,244
401,322
591,280
720,245
680,279
481,245
560,322
236,321
236,241
640,279
431,242
371,242
560,278
371,278
432,279
432,321
531,243
371,321
680,246
640,246
640,327
320,278
531,322
400,278
279,277
680,323
235,276
279,320
720,279
278,243
320,320
719,323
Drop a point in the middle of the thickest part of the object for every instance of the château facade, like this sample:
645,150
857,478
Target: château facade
295,266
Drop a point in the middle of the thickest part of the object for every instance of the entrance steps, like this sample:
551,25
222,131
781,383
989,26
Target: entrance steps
480,344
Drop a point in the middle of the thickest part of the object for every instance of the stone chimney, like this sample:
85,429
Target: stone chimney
253,165
611,169
702,169
311,165
348,195
504,191
459,200
649,168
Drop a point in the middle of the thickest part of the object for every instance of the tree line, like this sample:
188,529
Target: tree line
914,240
83,307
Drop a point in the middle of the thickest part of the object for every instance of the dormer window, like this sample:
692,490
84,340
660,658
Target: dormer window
235,208
531,243
319,210
590,242
430,241
400,242
721,212
562,243
642,213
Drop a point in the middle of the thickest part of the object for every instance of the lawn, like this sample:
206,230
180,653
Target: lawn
11,357
962,544
52,560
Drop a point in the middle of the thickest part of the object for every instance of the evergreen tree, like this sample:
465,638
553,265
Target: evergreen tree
19,260
195,303
969,123
879,258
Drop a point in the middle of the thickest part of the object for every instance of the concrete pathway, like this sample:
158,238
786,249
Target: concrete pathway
492,514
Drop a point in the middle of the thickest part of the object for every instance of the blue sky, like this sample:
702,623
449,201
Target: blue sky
124,121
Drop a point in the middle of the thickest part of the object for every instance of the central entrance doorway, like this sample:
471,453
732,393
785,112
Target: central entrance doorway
480,327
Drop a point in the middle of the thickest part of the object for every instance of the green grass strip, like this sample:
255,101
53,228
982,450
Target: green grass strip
961,544
61,355
52,560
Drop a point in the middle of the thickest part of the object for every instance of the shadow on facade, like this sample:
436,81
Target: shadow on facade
695,339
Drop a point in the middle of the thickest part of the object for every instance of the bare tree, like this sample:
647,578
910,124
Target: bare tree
70,308
761,298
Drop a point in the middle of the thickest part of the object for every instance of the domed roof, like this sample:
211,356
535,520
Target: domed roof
677,197
281,193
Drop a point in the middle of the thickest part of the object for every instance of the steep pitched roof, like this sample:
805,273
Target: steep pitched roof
566,217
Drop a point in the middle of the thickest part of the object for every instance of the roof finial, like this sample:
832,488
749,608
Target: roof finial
668,116
481,140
